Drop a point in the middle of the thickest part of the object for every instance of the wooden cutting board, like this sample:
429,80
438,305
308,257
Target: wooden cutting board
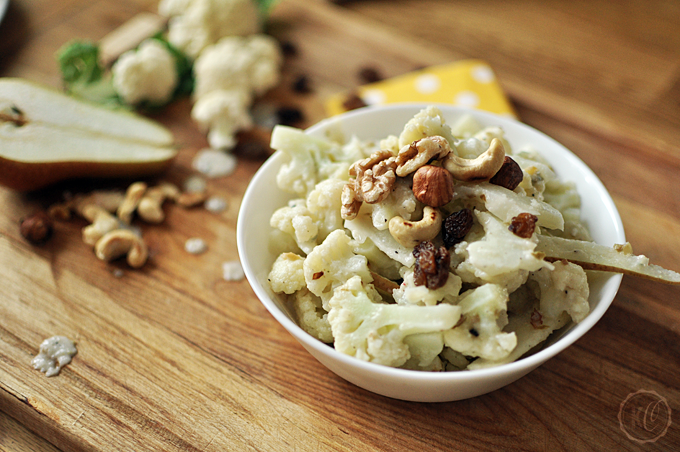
173,357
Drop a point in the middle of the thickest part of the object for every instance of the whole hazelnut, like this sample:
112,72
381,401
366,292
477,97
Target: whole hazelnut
433,185
36,228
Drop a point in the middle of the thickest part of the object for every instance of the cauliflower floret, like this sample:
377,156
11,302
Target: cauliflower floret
506,204
500,252
311,159
362,228
480,334
222,113
324,204
424,349
331,264
375,332
378,261
146,74
311,316
564,289
428,122
295,219
287,275
250,64
410,294
401,201
196,24
563,294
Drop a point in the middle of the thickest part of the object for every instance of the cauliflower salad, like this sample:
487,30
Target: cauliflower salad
421,251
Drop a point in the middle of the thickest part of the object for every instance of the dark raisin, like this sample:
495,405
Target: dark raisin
353,101
509,176
456,226
289,116
289,49
523,225
432,265
369,75
301,85
536,320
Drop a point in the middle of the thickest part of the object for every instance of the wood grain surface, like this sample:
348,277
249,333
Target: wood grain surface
173,357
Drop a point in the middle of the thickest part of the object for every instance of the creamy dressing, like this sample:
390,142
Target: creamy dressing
55,353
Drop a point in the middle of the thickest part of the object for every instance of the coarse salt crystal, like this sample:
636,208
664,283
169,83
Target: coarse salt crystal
214,163
195,184
195,245
215,204
232,271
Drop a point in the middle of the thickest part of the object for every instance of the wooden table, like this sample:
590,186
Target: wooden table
173,357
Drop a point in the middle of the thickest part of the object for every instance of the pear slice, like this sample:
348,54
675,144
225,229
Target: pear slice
47,136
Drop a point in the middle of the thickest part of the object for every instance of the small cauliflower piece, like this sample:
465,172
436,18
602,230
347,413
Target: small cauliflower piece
563,289
295,219
311,159
400,202
375,332
311,316
501,251
324,204
427,123
506,204
563,294
222,114
481,333
287,275
424,349
410,294
362,228
196,24
146,74
331,264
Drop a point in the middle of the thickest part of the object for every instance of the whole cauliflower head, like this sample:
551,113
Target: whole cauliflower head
146,74
196,24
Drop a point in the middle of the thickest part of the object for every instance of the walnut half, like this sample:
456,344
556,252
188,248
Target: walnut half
373,181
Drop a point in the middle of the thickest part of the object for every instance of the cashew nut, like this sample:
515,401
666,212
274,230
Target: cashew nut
122,242
410,233
133,196
103,222
483,167
150,207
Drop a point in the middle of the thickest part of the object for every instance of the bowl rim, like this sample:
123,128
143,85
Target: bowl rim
522,365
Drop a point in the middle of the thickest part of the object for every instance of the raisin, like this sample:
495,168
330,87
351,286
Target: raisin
432,265
456,226
289,48
302,85
523,225
289,116
369,75
509,176
353,101
536,320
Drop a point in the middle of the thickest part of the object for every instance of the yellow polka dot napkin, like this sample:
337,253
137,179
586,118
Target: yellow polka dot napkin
466,83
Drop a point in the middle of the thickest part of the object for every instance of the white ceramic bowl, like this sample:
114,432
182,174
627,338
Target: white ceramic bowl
372,123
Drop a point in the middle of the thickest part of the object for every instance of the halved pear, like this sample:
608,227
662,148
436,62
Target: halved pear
47,136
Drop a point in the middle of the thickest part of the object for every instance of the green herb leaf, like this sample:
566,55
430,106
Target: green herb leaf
265,6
